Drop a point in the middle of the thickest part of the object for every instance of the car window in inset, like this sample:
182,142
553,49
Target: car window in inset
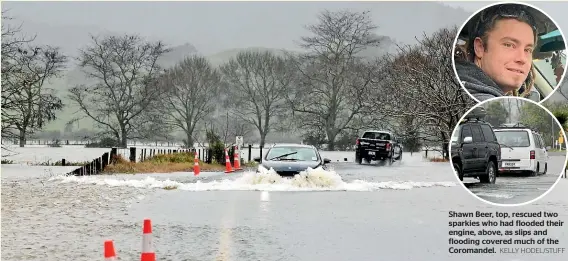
542,142
477,134
466,132
488,133
536,141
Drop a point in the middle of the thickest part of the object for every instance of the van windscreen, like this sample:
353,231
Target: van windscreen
513,138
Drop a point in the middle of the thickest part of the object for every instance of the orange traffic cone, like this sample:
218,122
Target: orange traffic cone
228,168
147,249
237,160
196,165
110,254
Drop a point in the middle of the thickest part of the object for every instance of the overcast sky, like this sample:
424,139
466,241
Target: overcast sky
216,26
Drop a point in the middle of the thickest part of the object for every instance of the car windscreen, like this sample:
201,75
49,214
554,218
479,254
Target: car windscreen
300,153
518,138
376,135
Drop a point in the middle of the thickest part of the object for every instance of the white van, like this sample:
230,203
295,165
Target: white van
522,150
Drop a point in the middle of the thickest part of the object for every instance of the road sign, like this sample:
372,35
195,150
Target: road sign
239,141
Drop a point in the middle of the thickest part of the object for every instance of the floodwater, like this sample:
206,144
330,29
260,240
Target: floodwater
352,212
519,188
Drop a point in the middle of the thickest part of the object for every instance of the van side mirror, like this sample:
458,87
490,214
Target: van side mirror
326,160
257,159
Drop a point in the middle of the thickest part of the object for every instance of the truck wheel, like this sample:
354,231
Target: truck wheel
458,171
358,160
399,155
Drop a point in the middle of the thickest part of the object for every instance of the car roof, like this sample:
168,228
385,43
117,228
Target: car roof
295,145
515,126
475,121
511,129
381,131
518,129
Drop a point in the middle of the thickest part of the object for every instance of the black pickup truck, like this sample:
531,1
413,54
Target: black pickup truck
377,145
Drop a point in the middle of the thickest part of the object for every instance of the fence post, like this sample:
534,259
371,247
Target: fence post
132,154
113,153
98,165
88,169
250,153
63,162
104,162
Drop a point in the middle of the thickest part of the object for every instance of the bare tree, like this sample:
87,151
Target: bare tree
12,40
27,105
123,99
257,84
192,87
333,77
421,83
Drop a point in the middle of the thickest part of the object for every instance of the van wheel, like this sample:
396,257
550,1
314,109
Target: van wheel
533,173
545,168
490,174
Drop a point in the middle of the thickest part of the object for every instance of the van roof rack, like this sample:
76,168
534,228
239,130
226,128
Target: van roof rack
513,125
516,126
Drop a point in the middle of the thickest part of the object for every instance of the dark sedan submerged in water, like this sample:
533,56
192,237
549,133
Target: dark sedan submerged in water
291,159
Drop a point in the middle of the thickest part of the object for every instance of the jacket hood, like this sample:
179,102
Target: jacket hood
476,82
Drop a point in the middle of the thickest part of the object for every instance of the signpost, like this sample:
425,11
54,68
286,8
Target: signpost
560,139
239,142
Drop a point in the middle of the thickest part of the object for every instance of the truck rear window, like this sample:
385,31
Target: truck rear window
376,135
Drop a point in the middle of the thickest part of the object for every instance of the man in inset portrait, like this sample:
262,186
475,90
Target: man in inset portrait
496,59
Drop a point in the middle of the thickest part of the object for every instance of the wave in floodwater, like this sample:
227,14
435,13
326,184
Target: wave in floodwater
265,180
493,195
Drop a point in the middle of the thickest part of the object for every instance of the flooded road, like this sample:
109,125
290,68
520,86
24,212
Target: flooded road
364,212
518,188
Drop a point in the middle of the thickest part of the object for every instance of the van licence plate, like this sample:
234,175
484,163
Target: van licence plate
509,164
371,153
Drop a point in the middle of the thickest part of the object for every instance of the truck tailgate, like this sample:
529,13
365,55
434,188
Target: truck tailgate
372,144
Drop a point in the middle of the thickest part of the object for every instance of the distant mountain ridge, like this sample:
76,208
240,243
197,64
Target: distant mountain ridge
451,16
